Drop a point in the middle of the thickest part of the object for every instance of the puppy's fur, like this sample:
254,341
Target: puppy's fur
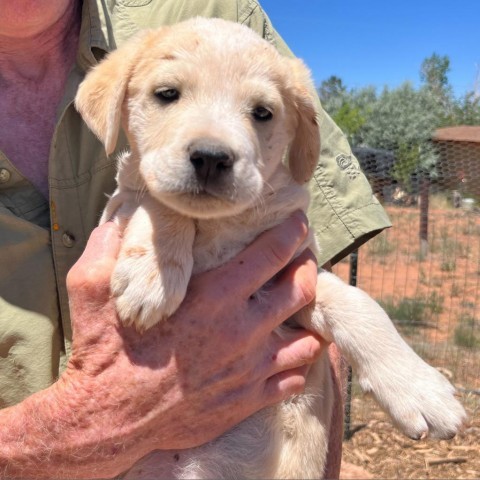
210,110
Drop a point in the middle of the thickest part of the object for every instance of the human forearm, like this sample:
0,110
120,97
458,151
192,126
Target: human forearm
47,436
35,440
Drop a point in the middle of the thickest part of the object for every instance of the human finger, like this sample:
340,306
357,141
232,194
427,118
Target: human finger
104,242
293,289
95,265
285,384
266,256
88,284
294,349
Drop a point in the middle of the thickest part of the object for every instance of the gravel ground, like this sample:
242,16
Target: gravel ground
384,453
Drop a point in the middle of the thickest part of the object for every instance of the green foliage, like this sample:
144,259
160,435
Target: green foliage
349,111
411,313
331,90
402,120
466,333
405,311
407,161
434,303
465,111
434,73
380,246
349,119
448,266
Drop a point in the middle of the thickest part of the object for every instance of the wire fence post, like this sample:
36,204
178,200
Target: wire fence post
347,430
424,204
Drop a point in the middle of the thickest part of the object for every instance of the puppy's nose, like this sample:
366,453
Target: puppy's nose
210,160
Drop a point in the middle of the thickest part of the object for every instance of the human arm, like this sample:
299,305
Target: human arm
182,383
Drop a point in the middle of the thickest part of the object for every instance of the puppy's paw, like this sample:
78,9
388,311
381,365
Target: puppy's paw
418,398
145,293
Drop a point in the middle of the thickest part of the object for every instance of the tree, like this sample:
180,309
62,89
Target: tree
466,110
402,120
332,93
400,115
434,73
350,120
349,110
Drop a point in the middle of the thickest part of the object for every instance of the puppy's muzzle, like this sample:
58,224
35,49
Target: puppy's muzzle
212,162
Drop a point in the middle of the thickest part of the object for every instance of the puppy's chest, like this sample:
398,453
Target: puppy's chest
219,240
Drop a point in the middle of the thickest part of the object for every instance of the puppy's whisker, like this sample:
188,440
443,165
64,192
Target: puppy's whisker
269,186
141,193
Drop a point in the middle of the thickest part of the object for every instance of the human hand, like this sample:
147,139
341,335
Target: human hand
216,361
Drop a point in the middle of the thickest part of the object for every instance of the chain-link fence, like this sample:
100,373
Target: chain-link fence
425,272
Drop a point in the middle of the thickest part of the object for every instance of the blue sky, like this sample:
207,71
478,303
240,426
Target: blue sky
381,42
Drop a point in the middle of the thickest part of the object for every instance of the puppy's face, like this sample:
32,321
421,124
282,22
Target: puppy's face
209,109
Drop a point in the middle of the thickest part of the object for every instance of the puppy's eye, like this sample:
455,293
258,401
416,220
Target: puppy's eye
167,95
262,114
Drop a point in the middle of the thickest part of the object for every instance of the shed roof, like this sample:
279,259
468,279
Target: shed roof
462,133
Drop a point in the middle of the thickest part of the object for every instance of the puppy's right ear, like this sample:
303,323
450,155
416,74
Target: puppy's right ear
305,147
100,96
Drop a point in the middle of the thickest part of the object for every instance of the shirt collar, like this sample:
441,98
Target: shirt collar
96,38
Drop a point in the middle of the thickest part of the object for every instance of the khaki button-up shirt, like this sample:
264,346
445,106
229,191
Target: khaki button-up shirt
40,240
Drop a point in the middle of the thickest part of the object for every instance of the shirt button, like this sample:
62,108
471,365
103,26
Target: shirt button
68,240
4,175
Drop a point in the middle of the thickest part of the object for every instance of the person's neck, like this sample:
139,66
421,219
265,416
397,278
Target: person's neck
30,57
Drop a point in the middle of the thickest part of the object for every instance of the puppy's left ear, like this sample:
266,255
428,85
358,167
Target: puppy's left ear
305,147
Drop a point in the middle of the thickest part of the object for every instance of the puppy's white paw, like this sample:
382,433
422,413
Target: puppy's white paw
146,294
418,398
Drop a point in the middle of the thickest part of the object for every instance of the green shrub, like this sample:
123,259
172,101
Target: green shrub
380,246
414,312
466,333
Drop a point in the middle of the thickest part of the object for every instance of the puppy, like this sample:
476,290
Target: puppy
210,110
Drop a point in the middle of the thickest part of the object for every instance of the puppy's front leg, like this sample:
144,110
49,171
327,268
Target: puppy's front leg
417,397
154,265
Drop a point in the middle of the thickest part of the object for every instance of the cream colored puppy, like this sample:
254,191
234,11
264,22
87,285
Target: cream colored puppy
210,109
